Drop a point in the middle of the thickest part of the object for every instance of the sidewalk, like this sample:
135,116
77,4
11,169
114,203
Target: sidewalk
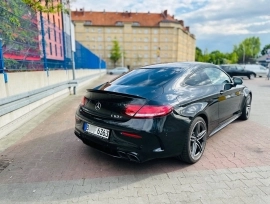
48,164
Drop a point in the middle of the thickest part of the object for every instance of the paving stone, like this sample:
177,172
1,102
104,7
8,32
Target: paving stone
138,200
178,197
253,200
183,188
236,176
265,189
235,184
146,191
159,198
165,189
265,181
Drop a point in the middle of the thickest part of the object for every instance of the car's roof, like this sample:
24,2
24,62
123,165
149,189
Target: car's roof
184,65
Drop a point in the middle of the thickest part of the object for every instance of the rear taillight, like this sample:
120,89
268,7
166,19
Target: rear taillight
83,101
147,111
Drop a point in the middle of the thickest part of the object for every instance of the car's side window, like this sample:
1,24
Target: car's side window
217,76
199,78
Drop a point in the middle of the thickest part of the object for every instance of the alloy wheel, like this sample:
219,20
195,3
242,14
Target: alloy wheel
248,106
197,140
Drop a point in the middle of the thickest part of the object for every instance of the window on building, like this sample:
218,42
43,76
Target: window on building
146,47
136,24
55,47
54,35
155,31
60,38
93,29
99,38
146,31
145,55
119,23
166,39
93,39
61,52
49,33
99,30
59,25
145,39
134,47
50,48
134,39
87,22
53,20
134,31
155,39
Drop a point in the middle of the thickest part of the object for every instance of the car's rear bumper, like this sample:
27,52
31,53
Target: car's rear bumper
166,143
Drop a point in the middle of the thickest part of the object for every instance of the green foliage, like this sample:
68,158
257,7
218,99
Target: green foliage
49,6
116,53
265,48
248,49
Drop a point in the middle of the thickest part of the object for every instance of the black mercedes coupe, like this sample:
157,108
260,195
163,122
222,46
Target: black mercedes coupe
162,110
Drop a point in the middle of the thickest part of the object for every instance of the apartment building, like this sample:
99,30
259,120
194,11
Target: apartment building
144,38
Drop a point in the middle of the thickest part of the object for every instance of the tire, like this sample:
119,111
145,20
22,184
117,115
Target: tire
246,109
110,73
195,142
252,76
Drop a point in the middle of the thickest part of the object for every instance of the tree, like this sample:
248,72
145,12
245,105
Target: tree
265,48
248,49
198,55
116,53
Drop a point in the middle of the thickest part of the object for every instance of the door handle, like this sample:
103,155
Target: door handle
221,92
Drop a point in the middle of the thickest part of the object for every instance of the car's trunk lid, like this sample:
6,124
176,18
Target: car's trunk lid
110,101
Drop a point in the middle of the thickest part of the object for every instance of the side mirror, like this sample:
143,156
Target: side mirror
237,81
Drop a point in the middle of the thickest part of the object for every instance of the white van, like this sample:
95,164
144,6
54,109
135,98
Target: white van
260,70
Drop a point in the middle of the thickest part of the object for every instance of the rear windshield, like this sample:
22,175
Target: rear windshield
148,77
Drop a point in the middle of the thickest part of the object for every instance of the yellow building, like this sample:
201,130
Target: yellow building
145,38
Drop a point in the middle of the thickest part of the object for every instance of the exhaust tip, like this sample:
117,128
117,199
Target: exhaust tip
133,157
122,155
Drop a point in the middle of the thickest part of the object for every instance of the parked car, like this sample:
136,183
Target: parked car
163,110
260,70
237,70
117,70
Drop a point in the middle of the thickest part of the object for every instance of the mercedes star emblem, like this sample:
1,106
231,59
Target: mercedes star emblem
98,106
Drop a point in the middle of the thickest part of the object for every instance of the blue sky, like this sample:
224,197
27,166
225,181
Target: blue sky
217,24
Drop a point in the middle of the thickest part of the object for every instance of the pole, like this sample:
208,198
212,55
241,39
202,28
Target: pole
1,58
2,63
244,54
43,44
122,59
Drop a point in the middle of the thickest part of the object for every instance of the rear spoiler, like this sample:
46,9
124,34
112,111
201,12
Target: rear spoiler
114,93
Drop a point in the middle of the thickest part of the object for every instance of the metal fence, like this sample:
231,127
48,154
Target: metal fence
33,42
84,58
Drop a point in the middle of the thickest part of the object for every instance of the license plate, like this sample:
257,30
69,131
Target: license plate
95,130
